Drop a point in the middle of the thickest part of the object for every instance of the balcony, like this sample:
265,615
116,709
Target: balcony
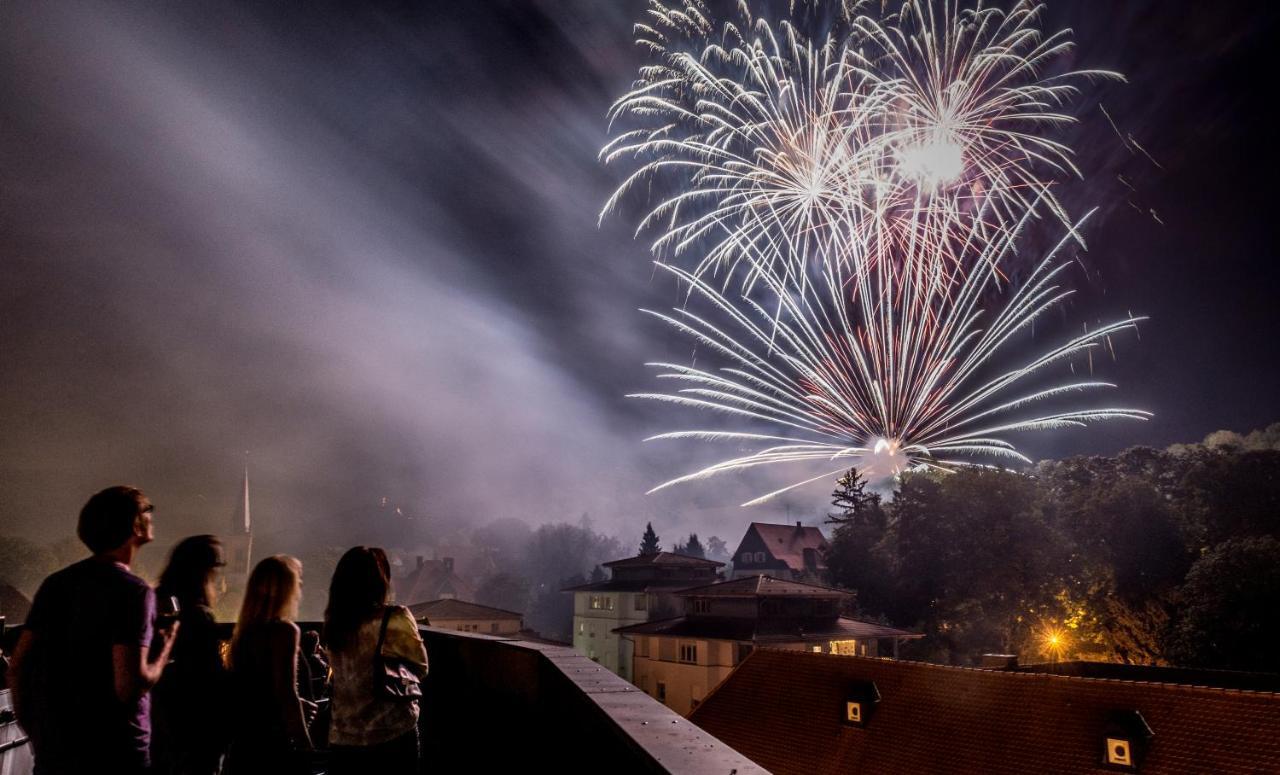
500,704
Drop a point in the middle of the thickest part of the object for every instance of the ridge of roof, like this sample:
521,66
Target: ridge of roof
662,558
1056,677
447,602
759,581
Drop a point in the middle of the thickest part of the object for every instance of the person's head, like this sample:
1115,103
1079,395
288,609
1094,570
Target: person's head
310,642
361,587
272,592
192,572
113,518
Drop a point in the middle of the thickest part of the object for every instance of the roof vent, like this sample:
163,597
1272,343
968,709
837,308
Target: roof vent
1125,741
860,700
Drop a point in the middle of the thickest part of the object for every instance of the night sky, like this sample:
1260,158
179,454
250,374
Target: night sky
360,243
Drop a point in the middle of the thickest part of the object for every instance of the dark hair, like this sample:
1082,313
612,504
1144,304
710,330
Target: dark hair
361,587
108,519
190,569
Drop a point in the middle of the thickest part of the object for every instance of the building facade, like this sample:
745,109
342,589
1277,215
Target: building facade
679,660
797,553
640,588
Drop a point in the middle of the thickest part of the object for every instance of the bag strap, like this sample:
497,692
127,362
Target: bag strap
382,633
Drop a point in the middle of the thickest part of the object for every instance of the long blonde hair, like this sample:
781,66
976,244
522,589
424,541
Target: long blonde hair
272,593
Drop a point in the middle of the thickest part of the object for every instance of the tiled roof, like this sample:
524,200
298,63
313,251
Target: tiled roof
788,542
766,630
635,585
763,586
663,558
783,709
432,581
459,609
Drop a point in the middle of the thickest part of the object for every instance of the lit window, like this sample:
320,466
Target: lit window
608,602
596,602
817,649
845,647
689,652
853,712
1119,753
582,628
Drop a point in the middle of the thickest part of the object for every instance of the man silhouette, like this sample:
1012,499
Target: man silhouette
86,658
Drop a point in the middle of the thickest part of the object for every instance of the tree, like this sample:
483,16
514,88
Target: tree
504,590
691,548
1227,618
854,504
717,549
649,541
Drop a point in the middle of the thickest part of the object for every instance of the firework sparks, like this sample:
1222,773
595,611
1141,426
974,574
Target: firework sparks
883,383
848,149
866,186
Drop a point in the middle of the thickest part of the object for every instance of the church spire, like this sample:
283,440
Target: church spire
241,523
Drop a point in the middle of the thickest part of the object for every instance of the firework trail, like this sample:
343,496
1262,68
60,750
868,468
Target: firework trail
864,188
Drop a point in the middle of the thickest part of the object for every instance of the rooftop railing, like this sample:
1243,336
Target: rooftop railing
495,704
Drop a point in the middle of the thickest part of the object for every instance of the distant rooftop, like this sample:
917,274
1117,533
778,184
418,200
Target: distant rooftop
767,630
764,586
663,558
789,711
459,609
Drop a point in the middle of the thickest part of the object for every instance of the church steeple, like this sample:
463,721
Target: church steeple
238,543
241,523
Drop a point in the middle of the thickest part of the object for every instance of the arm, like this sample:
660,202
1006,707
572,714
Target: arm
137,661
138,668
404,642
284,678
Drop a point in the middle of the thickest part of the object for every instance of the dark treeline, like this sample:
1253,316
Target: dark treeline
1151,557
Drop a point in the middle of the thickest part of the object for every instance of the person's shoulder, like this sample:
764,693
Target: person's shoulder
282,628
404,615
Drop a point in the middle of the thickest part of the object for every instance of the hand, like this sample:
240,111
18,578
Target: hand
309,710
168,632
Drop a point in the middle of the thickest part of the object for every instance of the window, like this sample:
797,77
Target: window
746,557
759,556
689,653
642,602
582,628
662,691
642,647
493,627
699,606
608,602
597,602
845,647
816,649
591,631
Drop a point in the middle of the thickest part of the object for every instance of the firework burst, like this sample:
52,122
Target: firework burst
865,187
849,149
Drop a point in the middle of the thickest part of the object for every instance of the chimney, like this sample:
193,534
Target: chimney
798,525
419,562
448,564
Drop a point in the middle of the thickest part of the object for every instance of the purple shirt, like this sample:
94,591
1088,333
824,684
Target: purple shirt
78,615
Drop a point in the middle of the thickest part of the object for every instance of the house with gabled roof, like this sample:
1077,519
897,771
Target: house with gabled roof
678,659
798,712
783,552
640,588
452,614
